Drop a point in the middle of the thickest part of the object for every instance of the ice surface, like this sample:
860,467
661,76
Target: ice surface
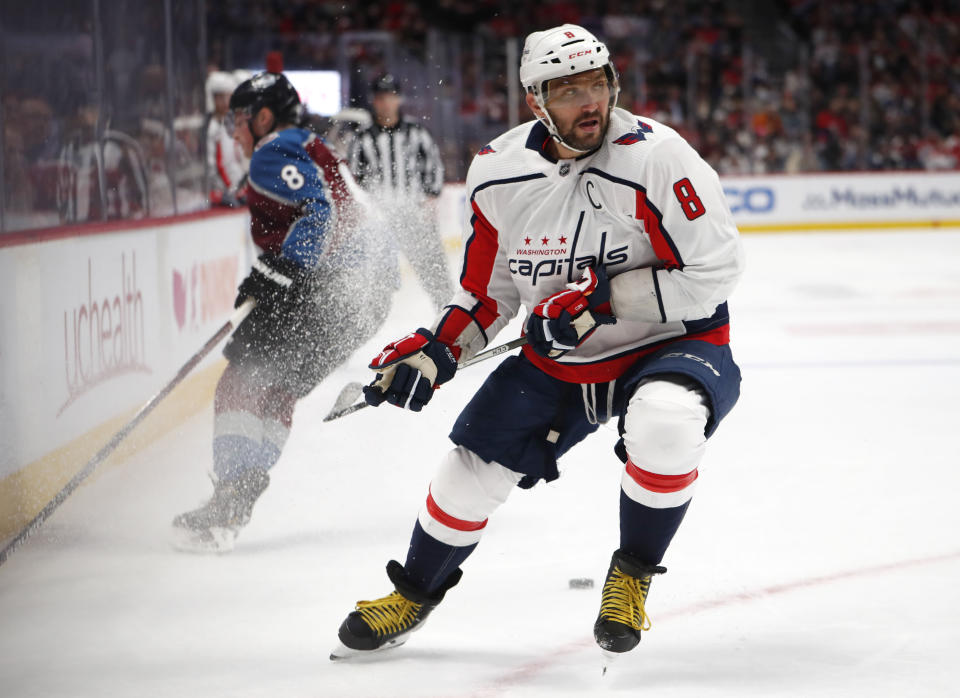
821,555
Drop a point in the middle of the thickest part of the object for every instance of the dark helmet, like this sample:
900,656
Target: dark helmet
271,90
385,83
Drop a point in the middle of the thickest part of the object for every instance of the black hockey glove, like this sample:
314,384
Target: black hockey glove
274,281
409,370
563,321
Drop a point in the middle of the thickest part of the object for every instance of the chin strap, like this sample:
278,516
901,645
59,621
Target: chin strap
547,121
566,145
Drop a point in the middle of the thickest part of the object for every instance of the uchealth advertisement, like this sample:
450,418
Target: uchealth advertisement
94,325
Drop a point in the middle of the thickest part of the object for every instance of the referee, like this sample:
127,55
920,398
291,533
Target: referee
398,162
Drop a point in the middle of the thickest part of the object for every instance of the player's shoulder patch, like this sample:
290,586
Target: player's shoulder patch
636,135
486,150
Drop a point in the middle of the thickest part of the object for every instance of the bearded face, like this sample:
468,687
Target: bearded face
579,106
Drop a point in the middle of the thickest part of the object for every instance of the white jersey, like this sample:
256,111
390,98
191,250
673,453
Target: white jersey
225,159
644,205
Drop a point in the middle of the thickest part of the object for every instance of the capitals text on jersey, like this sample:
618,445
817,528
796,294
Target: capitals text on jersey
570,263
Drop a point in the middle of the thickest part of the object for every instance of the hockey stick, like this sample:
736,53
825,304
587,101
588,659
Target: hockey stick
348,395
482,356
227,327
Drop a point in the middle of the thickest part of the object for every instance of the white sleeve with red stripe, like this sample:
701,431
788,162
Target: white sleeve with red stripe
689,223
231,161
487,298
222,155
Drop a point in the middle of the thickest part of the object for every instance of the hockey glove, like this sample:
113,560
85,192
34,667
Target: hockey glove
563,321
409,370
274,281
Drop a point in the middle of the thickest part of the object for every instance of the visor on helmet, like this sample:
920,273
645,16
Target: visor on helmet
577,90
562,52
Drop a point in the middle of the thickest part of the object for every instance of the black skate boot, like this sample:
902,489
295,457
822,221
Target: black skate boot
387,622
214,526
622,614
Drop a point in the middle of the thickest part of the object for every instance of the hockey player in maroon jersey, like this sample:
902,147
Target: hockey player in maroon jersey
310,313
615,237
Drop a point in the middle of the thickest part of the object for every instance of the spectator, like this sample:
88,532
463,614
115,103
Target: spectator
226,163
101,176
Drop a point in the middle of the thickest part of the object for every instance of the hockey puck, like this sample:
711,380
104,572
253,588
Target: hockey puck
581,583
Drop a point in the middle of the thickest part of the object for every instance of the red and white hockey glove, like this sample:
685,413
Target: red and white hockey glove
563,321
409,370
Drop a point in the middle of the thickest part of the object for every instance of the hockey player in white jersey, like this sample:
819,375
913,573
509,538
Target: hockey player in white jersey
614,236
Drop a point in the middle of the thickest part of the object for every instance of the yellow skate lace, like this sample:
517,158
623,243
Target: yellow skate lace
390,615
623,600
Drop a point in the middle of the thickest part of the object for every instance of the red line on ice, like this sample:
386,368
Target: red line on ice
527,671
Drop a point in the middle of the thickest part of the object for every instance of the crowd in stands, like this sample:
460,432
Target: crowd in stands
873,85
904,115
757,87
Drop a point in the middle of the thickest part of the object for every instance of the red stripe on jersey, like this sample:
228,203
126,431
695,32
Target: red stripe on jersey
655,482
220,168
449,329
609,369
329,163
487,312
451,521
336,186
478,262
651,223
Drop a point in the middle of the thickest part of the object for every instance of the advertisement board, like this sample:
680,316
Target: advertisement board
844,200
95,324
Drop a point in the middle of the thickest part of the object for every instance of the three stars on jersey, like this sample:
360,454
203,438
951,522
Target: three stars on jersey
545,240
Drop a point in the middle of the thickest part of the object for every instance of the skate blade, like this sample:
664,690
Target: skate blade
342,652
206,542
607,659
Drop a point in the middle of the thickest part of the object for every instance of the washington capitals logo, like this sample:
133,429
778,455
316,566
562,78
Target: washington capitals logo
486,150
635,136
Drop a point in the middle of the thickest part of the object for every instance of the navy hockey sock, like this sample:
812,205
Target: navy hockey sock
646,532
430,562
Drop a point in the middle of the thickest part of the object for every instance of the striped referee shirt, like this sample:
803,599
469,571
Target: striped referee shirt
402,159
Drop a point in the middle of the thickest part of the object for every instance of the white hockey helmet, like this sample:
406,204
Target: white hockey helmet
558,52
219,82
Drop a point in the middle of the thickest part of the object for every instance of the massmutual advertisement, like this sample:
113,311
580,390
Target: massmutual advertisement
844,201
